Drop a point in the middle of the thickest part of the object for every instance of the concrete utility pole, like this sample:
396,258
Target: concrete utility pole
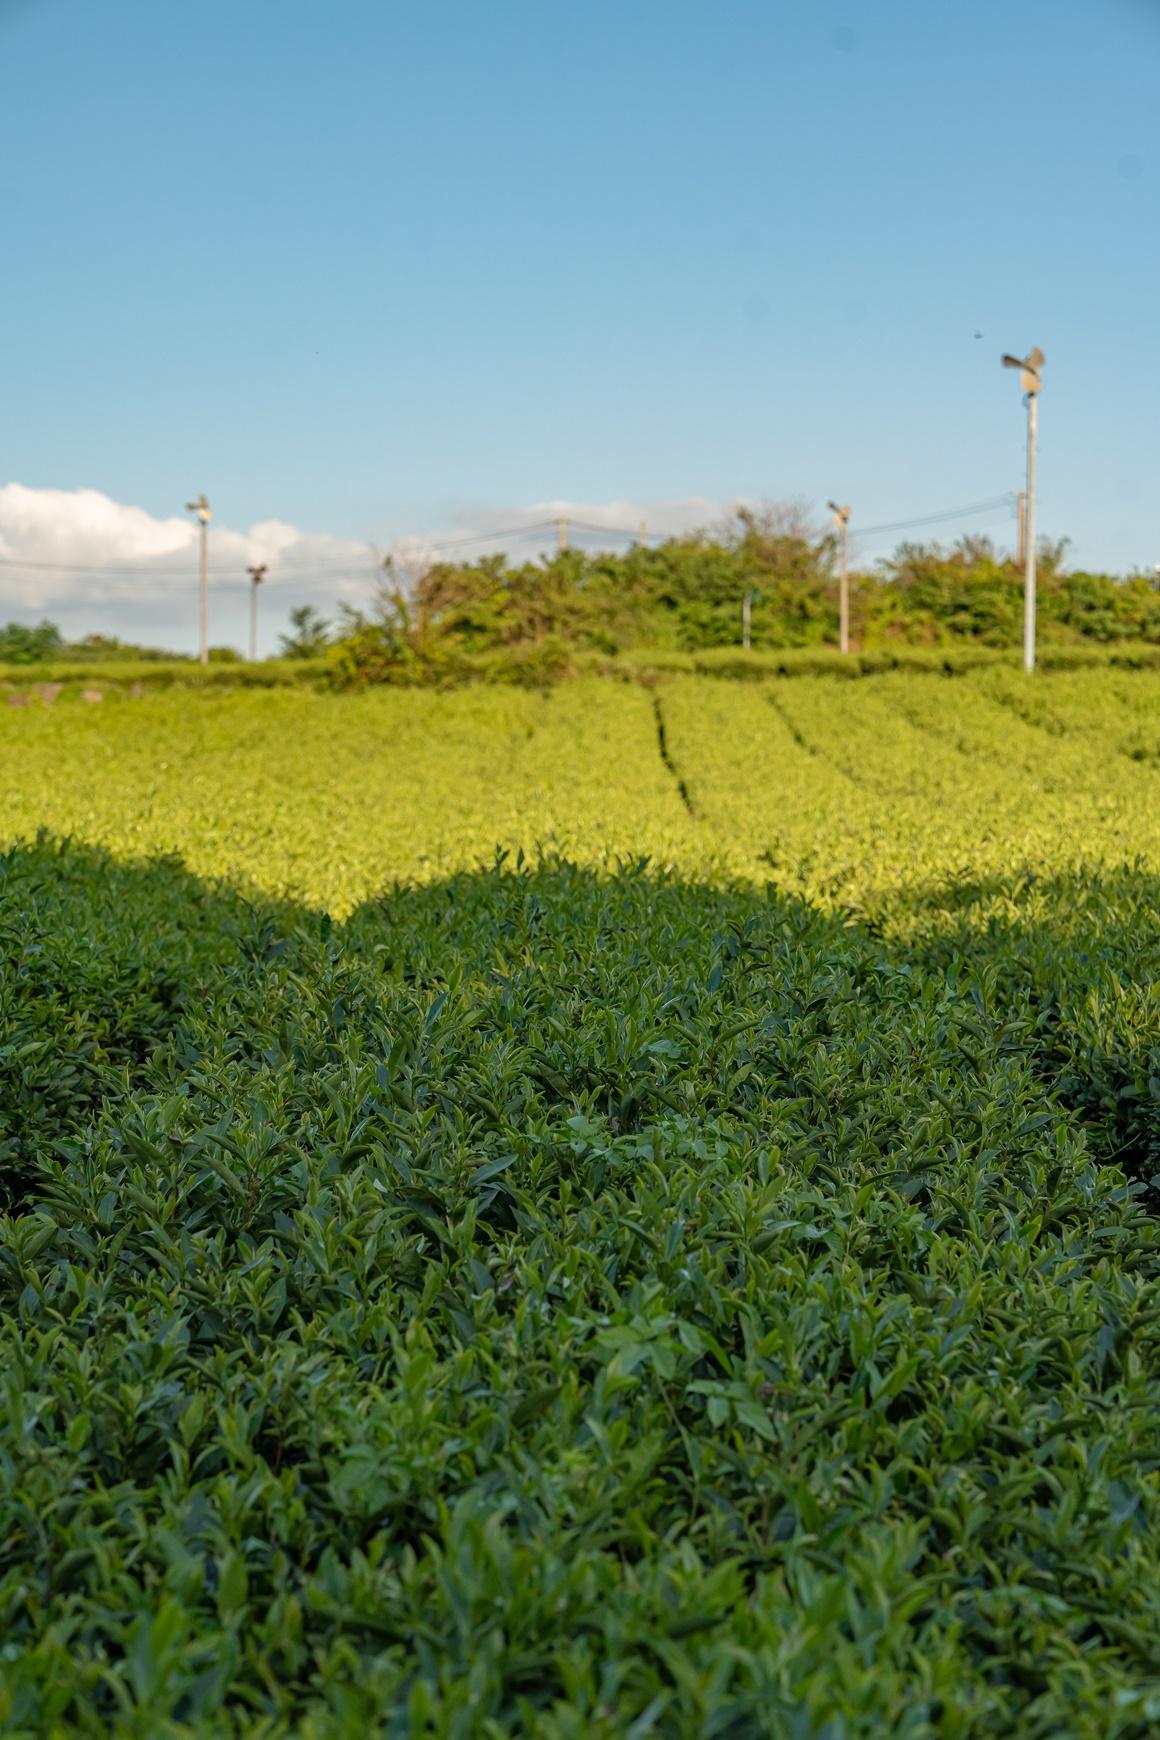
842,521
746,611
257,575
562,529
1030,379
643,533
201,508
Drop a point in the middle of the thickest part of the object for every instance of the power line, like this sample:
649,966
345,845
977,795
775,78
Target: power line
295,565
94,568
993,503
177,571
615,531
286,564
478,537
961,513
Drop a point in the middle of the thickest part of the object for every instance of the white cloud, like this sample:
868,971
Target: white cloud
95,565
82,525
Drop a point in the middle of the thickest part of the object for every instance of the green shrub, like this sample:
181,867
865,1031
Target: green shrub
21,644
690,1267
550,1281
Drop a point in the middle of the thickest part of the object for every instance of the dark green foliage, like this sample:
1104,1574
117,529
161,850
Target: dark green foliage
105,647
569,1306
1084,958
96,971
543,620
931,594
21,644
486,618
310,637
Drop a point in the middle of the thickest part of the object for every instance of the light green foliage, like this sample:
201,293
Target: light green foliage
575,1295
866,794
329,799
125,671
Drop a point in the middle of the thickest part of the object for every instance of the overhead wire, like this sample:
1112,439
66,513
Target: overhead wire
87,568
294,564
614,531
477,537
991,506
175,570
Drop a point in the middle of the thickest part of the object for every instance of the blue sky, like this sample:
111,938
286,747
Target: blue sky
372,270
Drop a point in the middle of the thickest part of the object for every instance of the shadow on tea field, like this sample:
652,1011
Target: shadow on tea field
556,1302
1080,953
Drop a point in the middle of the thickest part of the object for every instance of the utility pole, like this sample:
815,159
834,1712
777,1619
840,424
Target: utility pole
842,521
746,609
201,508
643,533
257,575
562,529
1030,379
1021,555
1029,532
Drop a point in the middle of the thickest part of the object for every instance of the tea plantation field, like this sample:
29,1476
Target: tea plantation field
629,1211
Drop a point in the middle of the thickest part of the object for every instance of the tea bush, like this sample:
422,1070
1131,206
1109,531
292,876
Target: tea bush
604,1212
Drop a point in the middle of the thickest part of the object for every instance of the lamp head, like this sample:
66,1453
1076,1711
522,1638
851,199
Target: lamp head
1030,367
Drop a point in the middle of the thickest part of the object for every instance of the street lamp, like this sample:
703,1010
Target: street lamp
1030,379
842,521
257,575
201,508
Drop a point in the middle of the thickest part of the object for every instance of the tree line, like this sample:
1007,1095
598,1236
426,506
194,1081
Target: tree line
685,595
